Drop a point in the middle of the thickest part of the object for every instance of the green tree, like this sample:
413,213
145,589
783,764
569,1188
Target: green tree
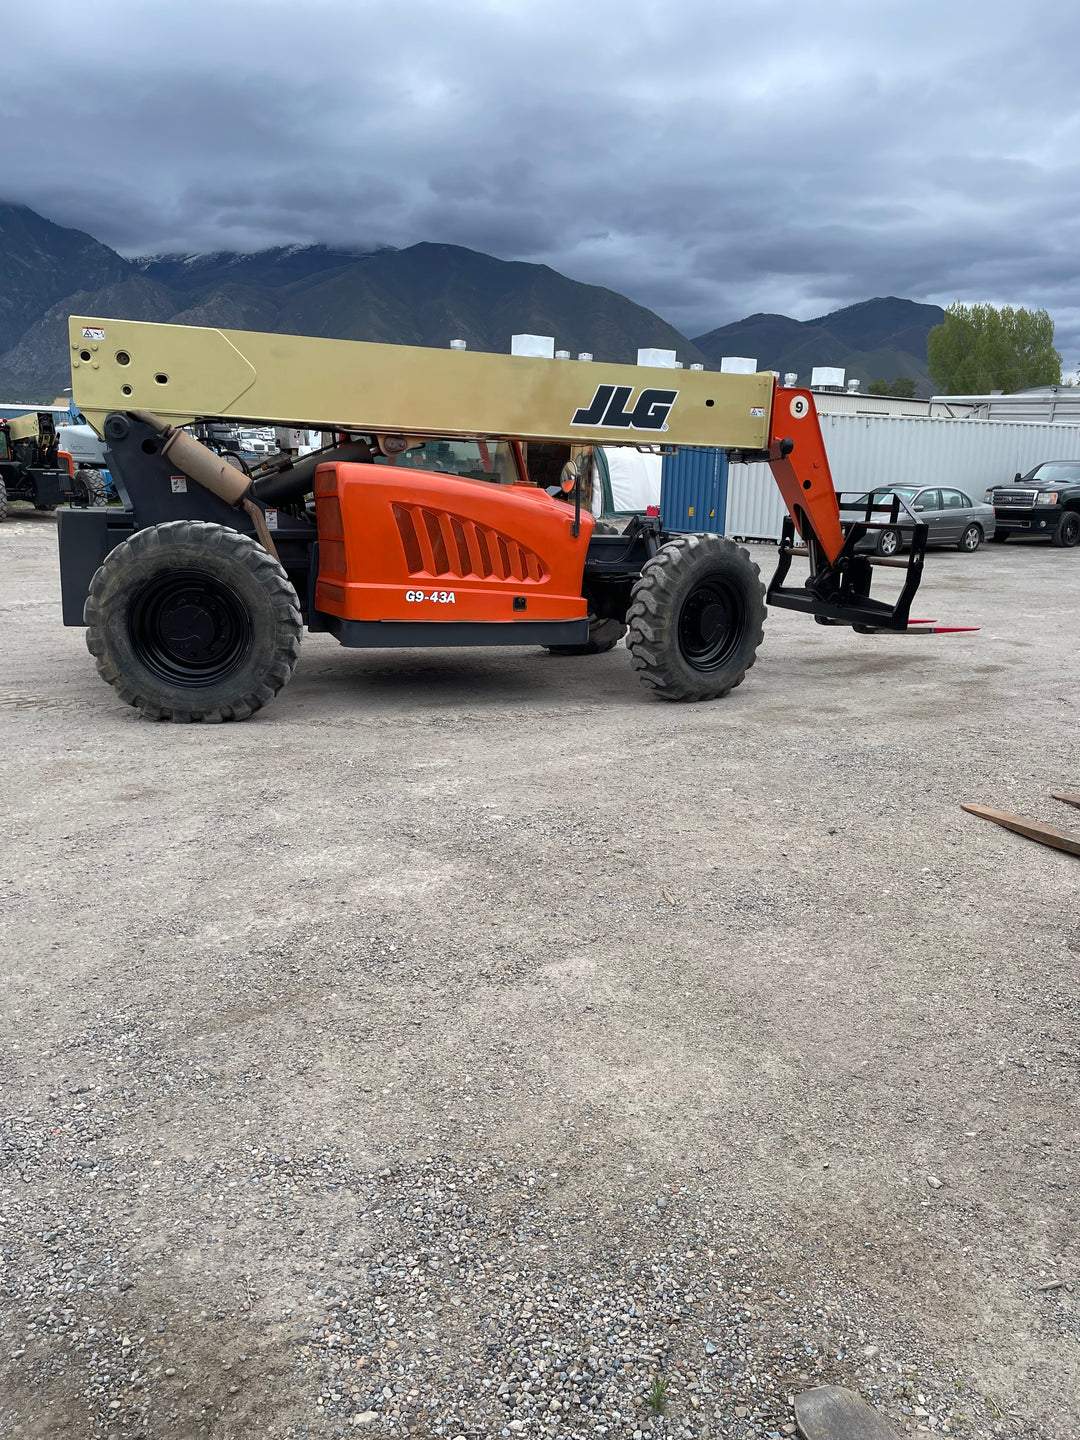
981,348
903,388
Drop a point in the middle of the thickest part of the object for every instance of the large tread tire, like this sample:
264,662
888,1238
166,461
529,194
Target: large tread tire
1067,531
3,501
90,482
604,635
219,584
679,645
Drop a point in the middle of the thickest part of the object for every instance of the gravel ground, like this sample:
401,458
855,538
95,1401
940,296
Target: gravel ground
470,1045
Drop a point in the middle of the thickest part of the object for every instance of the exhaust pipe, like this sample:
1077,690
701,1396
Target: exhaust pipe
197,461
211,472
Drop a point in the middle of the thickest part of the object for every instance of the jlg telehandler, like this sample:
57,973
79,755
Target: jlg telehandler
418,523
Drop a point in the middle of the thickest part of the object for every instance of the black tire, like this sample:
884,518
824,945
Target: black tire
3,501
695,618
89,482
999,537
971,539
604,634
889,542
192,621
1067,532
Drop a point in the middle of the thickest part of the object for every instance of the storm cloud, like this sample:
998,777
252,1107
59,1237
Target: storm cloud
708,159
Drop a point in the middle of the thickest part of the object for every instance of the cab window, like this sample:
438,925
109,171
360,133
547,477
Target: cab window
471,459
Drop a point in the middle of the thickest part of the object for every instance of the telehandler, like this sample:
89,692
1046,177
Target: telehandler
418,523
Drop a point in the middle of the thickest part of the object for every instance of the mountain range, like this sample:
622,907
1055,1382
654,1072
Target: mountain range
427,294
882,339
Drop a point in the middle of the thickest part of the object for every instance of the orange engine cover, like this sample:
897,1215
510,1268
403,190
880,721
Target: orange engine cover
398,544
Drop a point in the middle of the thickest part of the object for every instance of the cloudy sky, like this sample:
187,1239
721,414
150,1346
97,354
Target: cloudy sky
707,158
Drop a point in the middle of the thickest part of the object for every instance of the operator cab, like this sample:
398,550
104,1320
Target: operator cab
493,461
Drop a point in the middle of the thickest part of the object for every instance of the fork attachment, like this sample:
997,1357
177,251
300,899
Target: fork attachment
837,592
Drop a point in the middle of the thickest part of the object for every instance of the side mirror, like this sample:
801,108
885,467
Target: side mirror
920,507
569,477
1019,477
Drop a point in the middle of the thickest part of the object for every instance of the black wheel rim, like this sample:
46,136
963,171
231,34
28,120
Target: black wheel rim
711,624
189,629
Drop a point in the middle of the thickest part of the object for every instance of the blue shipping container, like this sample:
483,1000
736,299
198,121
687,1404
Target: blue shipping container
693,490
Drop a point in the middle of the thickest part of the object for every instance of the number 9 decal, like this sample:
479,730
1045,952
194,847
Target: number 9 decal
800,407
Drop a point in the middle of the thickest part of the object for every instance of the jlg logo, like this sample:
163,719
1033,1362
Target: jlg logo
609,408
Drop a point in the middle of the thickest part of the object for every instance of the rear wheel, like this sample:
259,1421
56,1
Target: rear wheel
971,539
193,621
889,542
695,618
1068,530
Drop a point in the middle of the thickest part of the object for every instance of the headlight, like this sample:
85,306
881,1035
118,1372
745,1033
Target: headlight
1048,497
988,498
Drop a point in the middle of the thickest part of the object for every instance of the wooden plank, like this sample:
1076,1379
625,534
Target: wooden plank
1066,799
1045,834
832,1413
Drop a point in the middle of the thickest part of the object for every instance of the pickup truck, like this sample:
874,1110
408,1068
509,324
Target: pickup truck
1045,501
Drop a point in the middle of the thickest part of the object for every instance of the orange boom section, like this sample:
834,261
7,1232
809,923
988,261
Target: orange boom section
801,469
399,544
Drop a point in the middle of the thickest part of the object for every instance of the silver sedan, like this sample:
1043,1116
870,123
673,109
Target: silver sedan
952,516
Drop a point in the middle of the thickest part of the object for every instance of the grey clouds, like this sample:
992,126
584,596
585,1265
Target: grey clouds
706,159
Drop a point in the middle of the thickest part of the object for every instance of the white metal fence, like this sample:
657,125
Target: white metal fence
885,450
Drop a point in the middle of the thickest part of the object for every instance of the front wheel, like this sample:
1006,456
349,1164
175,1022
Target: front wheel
695,618
1068,530
999,537
971,539
604,635
889,542
193,621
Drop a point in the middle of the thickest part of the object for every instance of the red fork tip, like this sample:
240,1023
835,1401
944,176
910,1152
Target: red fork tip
944,629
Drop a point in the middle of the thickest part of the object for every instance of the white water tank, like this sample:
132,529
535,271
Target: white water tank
662,359
540,347
824,377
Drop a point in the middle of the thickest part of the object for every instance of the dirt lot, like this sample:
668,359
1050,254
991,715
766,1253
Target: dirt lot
471,1045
